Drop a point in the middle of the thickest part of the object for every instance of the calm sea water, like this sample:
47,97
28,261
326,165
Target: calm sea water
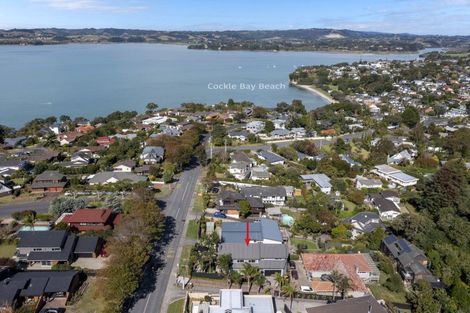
93,80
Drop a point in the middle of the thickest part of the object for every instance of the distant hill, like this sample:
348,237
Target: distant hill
312,39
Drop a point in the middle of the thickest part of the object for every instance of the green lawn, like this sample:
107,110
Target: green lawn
176,307
311,245
193,228
184,257
90,301
348,205
7,250
199,201
381,292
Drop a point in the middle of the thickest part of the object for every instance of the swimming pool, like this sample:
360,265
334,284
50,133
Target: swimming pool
34,228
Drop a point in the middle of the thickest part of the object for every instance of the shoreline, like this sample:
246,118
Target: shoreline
316,91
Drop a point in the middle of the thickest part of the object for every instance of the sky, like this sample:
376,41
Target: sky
446,17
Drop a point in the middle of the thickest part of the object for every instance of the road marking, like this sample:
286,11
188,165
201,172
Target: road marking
147,303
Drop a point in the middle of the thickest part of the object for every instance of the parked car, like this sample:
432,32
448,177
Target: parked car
306,289
220,215
292,265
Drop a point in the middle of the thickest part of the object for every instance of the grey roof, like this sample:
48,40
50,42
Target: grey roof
64,255
365,304
241,133
11,142
255,203
154,152
42,239
4,189
261,192
240,157
128,163
363,217
254,251
385,205
280,132
103,177
37,283
321,180
87,244
235,232
12,163
270,157
403,177
50,176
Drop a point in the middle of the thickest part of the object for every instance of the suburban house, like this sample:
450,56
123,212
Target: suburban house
368,183
346,158
92,219
270,258
228,202
13,142
263,230
279,123
13,165
411,262
241,157
259,173
239,135
366,304
364,223
4,190
155,120
124,166
281,134
104,178
271,158
298,132
265,250
401,157
239,170
79,159
358,267
386,203
152,154
233,300
393,175
38,285
49,182
255,127
321,181
43,249
68,138
105,141
272,195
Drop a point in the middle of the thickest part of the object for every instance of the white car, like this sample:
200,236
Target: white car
306,289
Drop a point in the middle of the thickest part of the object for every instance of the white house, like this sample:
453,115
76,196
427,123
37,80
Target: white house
279,123
255,127
154,120
152,154
394,175
240,170
368,183
321,180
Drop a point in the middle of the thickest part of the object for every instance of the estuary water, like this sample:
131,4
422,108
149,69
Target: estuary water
96,79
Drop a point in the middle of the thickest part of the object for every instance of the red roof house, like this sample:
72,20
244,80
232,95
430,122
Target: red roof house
92,219
105,141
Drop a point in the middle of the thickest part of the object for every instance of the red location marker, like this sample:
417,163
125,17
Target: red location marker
247,238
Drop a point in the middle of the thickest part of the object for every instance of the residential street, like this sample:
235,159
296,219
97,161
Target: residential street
41,206
150,298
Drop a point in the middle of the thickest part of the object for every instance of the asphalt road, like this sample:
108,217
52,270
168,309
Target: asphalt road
150,297
40,206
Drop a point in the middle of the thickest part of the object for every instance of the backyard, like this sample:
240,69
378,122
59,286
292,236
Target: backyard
7,250
176,307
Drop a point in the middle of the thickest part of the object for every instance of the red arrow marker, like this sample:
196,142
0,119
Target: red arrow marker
247,238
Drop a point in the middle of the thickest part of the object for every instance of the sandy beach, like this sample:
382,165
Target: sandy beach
316,91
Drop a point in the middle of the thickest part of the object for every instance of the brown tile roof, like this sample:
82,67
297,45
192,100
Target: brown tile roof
89,216
346,264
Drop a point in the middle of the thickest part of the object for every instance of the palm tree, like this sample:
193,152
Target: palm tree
343,285
260,281
280,280
29,220
237,278
231,278
288,291
335,277
250,273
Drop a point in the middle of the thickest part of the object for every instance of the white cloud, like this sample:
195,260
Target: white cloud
92,5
